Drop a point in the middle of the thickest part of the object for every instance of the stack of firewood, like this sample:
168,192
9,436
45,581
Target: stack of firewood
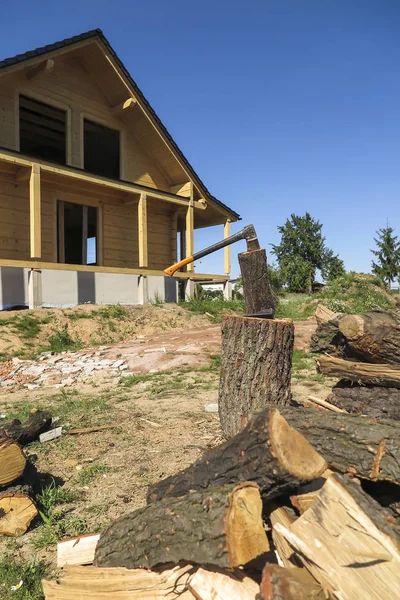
301,504
363,351
18,477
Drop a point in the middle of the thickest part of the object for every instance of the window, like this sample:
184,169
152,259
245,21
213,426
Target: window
101,150
42,130
77,233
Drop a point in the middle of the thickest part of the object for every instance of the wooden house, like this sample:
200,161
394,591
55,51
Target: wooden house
96,198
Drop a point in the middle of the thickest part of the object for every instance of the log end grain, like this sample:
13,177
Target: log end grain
17,511
12,462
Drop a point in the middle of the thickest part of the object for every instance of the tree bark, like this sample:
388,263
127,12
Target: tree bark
267,451
280,583
258,294
350,443
347,543
379,375
256,365
373,337
327,339
38,422
375,402
12,462
220,526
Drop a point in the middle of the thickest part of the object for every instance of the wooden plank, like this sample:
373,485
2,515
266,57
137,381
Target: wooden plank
35,217
227,249
174,233
61,231
214,585
124,106
100,236
77,550
142,228
95,583
26,264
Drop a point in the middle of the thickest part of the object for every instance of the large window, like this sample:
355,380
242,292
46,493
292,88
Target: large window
42,130
101,150
77,233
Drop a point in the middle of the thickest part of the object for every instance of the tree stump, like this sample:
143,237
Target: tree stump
256,366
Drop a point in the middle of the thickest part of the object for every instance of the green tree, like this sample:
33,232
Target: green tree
387,266
301,251
333,266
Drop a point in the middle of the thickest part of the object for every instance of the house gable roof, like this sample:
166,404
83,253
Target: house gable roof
97,33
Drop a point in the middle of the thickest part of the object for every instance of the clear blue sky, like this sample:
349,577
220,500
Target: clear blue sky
281,106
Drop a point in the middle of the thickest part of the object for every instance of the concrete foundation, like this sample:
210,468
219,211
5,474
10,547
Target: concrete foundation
227,290
63,289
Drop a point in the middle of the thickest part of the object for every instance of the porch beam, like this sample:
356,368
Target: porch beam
35,212
46,66
190,230
227,249
123,107
79,175
142,224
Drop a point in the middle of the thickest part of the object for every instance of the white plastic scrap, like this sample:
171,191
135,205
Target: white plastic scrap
14,588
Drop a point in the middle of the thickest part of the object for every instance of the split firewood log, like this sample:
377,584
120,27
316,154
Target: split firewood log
285,516
374,401
17,503
256,366
373,336
207,584
220,526
351,443
93,583
385,375
38,422
323,314
12,461
280,583
347,543
267,451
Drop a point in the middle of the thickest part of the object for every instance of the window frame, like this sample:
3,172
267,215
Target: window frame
49,102
111,124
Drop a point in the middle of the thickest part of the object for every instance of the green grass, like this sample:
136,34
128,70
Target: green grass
61,525
13,570
113,311
216,307
52,496
90,473
301,360
62,341
215,365
295,306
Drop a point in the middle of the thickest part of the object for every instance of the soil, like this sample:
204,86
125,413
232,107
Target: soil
161,425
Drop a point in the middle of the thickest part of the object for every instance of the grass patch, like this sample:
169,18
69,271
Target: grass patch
113,311
88,474
301,360
50,497
295,306
61,525
215,365
216,307
61,341
13,570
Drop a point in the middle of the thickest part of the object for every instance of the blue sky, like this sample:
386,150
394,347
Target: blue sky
281,106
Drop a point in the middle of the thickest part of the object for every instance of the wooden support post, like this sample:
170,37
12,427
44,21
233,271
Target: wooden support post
227,249
190,229
35,213
61,231
174,231
142,222
44,67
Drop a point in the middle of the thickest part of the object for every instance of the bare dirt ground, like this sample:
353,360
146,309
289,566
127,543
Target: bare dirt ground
157,408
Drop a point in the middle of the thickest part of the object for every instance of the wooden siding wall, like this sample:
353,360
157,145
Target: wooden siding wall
70,86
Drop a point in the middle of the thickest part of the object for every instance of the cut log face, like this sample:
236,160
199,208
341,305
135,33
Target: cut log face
279,583
266,451
345,541
77,550
381,375
16,514
375,402
256,365
12,462
220,526
350,443
373,336
38,422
